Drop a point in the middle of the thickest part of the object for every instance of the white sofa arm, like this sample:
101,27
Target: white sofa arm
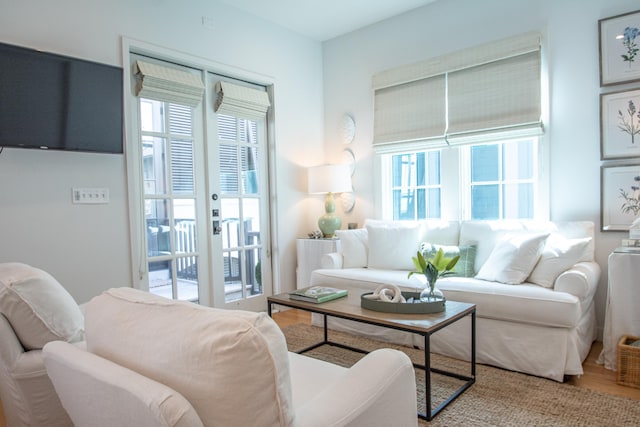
580,280
331,260
379,390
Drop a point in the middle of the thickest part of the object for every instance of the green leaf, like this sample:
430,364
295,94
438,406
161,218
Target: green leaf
417,264
452,263
423,262
438,257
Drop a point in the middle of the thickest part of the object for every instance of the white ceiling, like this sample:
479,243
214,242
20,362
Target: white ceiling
325,19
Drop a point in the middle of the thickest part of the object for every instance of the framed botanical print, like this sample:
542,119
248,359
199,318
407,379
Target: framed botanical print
620,196
619,48
620,124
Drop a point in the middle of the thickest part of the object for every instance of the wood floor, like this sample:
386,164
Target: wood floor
595,377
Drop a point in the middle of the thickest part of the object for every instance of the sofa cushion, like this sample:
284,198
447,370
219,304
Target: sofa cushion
38,307
558,255
440,231
487,233
353,245
513,258
465,265
392,244
221,361
567,229
525,303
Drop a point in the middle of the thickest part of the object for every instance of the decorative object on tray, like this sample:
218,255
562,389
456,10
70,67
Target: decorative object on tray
386,293
620,198
619,48
318,294
431,270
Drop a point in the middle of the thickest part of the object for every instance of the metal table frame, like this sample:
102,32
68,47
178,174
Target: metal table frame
426,367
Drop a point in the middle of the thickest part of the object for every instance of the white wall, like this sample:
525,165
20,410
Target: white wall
570,33
86,247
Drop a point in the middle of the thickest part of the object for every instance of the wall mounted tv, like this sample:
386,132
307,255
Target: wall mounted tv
56,102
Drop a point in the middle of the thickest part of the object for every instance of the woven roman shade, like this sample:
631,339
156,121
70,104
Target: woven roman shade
241,101
410,115
168,84
498,100
484,93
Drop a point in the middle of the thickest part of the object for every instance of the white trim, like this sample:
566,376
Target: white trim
134,162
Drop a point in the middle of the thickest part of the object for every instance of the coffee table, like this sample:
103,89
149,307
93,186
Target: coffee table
424,325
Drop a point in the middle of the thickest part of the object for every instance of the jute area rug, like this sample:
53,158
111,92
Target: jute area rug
498,397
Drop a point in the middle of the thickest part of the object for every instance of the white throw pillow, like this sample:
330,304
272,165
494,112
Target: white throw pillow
215,358
513,258
392,245
38,308
353,245
559,254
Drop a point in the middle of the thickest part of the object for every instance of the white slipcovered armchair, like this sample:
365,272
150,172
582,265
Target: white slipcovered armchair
153,361
34,310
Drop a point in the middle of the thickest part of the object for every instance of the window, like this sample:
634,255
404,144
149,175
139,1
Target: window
415,185
502,179
459,136
498,180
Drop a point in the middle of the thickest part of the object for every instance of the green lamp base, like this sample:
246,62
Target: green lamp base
328,224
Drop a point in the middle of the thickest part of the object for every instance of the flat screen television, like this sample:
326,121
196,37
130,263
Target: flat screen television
55,102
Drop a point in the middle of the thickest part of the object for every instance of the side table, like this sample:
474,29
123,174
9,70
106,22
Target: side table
622,316
309,252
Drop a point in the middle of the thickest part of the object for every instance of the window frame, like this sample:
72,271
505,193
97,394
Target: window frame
455,181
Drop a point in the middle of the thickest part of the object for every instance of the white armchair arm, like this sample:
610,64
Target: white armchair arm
379,390
331,260
580,280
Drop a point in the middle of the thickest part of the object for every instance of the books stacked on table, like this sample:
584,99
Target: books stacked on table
318,294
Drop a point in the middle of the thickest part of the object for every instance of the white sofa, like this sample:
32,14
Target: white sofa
533,284
153,361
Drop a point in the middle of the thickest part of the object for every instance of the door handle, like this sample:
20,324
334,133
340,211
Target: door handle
216,227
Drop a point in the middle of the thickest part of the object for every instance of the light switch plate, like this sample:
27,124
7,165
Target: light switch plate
90,195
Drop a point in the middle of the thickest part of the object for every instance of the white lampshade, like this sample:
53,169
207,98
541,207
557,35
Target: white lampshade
329,179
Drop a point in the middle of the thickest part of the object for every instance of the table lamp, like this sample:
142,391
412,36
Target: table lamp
329,179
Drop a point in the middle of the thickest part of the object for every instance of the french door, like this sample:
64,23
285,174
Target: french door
204,191
239,213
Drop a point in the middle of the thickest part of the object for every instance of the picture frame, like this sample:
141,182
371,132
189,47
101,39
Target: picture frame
620,124
619,42
620,195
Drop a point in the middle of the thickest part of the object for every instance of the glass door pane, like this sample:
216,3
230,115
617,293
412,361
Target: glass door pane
242,211
167,149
